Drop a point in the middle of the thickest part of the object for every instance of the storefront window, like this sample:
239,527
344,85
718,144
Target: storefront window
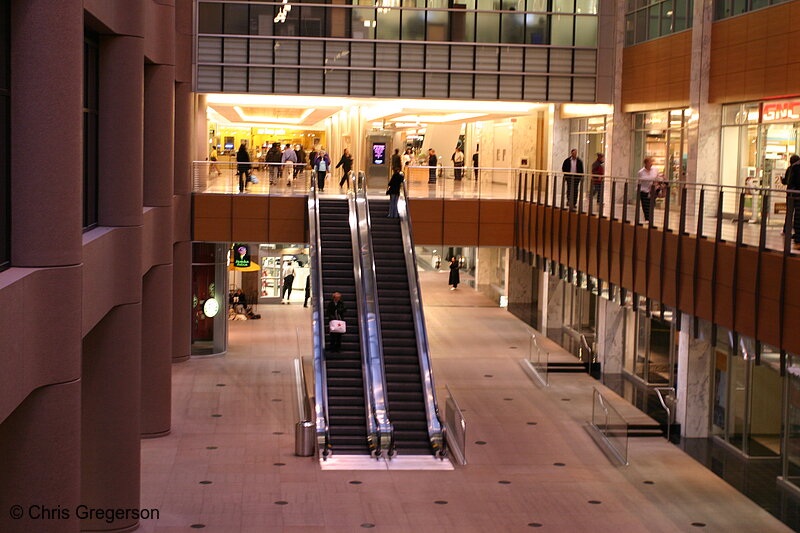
757,141
651,345
588,136
662,136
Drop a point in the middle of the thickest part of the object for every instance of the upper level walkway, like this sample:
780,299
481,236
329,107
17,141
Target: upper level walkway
530,461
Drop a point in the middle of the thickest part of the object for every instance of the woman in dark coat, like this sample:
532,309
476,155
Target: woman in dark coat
346,162
243,168
394,193
455,278
335,310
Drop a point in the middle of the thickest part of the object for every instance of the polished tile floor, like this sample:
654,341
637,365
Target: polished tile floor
233,421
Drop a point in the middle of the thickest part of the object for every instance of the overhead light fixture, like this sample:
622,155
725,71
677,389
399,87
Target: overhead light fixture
254,118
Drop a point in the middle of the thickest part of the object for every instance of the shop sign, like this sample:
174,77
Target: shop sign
780,111
241,256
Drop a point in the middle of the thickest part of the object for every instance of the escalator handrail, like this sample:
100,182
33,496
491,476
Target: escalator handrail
373,318
435,427
318,326
373,434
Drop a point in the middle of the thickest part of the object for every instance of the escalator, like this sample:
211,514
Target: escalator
409,386
347,416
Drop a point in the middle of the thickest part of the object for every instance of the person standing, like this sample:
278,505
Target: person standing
394,193
346,162
408,158
288,281
321,166
335,310
455,277
475,164
243,167
458,163
793,189
301,159
308,289
273,160
433,161
397,161
598,172
648,176
572,169
288,159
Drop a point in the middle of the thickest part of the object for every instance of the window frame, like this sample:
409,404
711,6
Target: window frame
5,135
91,130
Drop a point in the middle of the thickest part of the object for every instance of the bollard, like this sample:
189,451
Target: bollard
304,439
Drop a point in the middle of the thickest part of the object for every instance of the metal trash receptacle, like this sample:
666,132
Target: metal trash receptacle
304,439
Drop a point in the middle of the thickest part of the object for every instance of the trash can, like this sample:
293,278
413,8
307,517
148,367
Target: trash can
304,439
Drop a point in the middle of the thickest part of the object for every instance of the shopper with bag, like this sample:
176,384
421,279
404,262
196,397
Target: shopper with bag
243,168
322,165
334,312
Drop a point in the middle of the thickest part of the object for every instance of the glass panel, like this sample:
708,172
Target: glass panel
629,30
653,22
235,19
667,18
586,6
738,391
719,415
681,15
564,6
766,407
437,22
642,330
261,20
641,25
793,420
413,25
537,5
513,25
562,30
659,362
388,24
363,23
536,29
586,31
209,18
755,4
462,25
312,20
488,23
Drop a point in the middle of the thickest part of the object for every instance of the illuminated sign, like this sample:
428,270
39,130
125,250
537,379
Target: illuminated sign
241,256
780,111
378,153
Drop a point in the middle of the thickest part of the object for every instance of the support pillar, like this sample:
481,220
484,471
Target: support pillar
620,125
40,453
156,352
121,126
694,378
610,336
181,301
46,214
110,445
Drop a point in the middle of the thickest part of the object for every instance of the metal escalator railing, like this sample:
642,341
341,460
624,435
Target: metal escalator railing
371,321
318,327
436,431
374,433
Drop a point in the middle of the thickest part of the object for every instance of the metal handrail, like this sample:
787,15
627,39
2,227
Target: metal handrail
620,455
436,432
372,321
373,433
458,434
318,327
303,401
585,344
670,392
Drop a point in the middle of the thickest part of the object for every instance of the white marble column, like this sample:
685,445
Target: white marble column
560,143
703,135
694,379
554,305
610,337
619,128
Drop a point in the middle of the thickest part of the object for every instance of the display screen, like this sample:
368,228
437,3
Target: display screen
378,153
229,146
241,256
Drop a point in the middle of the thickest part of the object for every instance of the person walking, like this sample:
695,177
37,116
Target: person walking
397,161
598,172
213,158
572,169
346,162
301,160
793,200
458,163
288,281
288,159
648,176
455,277
321,166
433,161
394,193
335,310
308,289
243,167
475,164
273,160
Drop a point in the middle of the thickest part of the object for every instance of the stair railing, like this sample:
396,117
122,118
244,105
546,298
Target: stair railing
372,322
436,431
318,326
373,431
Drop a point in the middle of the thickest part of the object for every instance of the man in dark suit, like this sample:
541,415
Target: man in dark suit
573,170
793,200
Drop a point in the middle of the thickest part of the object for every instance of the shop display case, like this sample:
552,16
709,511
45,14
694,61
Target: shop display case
270,281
